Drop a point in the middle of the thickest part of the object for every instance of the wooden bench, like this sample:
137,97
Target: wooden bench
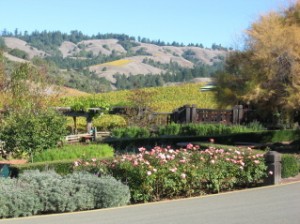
87,137
80,137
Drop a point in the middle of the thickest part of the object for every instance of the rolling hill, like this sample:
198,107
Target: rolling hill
86,63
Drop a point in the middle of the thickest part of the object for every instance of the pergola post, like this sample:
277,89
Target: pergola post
89,120
75,125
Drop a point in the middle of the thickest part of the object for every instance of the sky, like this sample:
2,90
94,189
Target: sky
184,21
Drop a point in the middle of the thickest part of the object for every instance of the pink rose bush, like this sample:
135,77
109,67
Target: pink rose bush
167,173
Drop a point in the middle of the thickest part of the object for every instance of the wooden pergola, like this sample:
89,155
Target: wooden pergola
88,114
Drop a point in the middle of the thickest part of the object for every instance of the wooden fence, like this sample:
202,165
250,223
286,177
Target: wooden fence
192,114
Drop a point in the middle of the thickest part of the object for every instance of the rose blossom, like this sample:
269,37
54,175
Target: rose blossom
183,175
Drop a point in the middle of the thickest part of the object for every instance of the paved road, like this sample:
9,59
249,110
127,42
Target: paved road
276,205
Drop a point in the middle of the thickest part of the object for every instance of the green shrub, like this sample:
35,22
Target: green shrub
106,191
171,129
58,194
109,122
36,192
17,199
205,129
290,165
79,151
19,53
255,126
131,132
61,167
46,129
285,135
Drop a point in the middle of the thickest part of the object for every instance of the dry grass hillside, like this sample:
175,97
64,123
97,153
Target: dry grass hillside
13,58
128,66
162,54
12,42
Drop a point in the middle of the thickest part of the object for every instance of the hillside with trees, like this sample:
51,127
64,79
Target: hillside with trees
104,62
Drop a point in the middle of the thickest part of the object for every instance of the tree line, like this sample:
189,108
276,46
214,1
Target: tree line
55,38
175,73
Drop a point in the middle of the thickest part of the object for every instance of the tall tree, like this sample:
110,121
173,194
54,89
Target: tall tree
267,72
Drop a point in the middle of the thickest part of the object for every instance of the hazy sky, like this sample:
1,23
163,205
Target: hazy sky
186,21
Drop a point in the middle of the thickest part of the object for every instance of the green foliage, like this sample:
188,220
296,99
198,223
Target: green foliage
109,122
107,191
19,53
171,129
17,199
230,139
84,103
69,152
175,73
285,135
2,43
61,167
255,126
53,192
29,133
290,165
206,129
36,192
163,99
131,132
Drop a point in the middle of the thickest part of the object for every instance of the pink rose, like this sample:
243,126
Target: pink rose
183,175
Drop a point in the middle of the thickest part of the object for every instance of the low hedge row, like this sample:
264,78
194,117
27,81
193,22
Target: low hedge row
37,192
192,129
74,151
127,144
290,165
61,167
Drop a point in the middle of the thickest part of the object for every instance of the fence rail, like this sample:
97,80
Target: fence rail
192,114
87,137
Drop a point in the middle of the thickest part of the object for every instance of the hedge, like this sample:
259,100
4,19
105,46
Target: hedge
290,165
61,167
128,144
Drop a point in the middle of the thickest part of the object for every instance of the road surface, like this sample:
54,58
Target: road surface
275,204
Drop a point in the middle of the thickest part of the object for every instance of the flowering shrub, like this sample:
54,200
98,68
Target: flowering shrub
167,173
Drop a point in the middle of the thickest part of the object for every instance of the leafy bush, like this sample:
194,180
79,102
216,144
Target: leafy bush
37,192
69,152
290,165
84,103
285,135
46,129
108,122
167,173
171,129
